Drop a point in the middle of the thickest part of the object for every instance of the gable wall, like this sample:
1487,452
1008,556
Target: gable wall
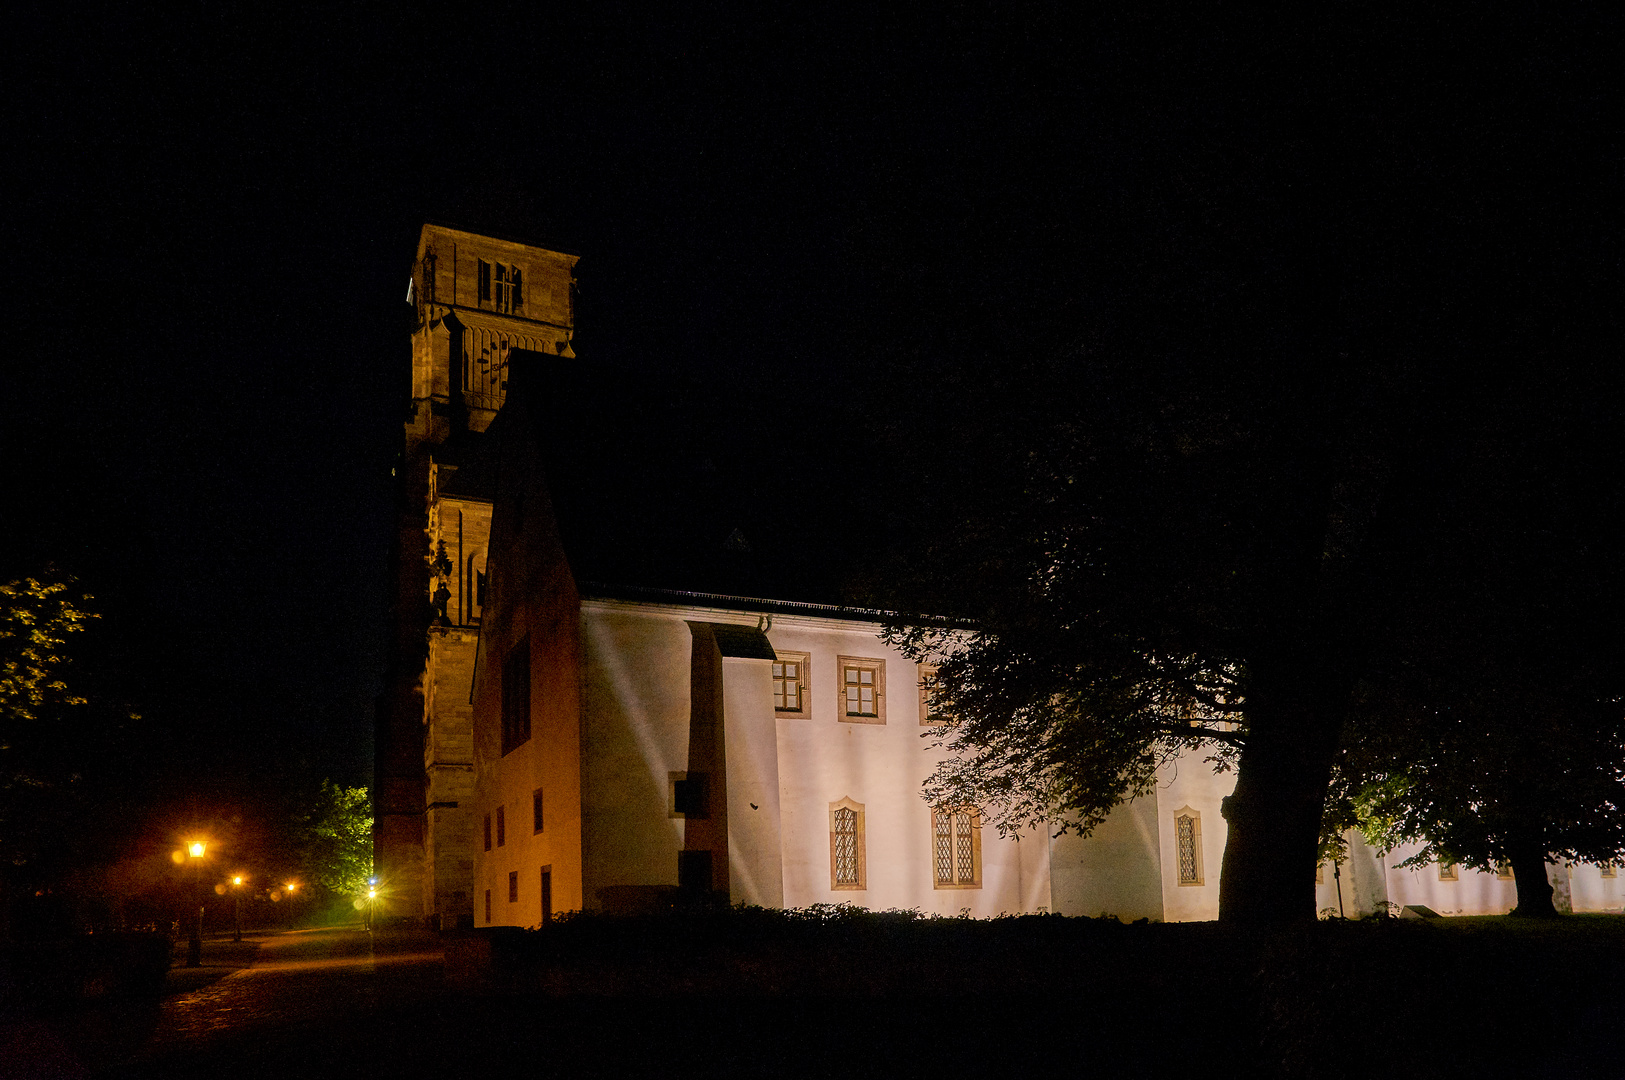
530,593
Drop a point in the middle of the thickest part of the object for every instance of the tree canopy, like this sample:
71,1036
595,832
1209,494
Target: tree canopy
1191,476
336,838
44,719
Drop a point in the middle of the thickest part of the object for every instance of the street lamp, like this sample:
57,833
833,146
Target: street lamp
372,894
237,907
194,944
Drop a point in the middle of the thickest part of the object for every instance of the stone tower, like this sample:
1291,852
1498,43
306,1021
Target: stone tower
474,298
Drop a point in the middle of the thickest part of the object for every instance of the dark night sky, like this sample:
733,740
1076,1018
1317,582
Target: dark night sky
210,229
212,215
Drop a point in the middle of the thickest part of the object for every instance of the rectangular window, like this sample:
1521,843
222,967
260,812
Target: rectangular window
689,795
956,848
792,688
485,280
547,895
487,832
930,712
1503,870
846,854
513,886
487,907
1320,873
862,690
502,827
536,810
1188,845
1447,871
509,293
1609,869
516,697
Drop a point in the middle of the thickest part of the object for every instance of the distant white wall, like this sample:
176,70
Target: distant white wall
1363,881
1472,893
1590,891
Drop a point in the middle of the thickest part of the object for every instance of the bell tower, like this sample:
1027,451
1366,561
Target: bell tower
474,299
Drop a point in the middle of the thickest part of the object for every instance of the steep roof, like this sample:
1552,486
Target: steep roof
658,489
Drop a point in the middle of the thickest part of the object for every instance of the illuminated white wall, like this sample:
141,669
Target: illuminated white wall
1472,893
1115,870
635,703
755,875
1190,782
635,735
1590,891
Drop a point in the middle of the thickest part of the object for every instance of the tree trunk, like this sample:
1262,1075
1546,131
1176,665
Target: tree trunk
1528,860
1294,717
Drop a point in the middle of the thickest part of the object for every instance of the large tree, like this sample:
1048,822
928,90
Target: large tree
1161,554
1490,726
1174,470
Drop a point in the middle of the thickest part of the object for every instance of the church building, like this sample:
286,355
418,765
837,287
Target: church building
617,676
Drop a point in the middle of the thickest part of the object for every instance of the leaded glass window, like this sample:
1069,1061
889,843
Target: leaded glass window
846,869
846,846
1188,848
956,848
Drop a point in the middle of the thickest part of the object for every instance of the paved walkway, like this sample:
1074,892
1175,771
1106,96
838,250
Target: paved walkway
300,988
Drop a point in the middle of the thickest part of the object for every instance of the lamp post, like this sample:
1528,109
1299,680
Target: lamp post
372,895
237,907
194,944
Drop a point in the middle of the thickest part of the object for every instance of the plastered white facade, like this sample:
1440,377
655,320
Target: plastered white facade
782,777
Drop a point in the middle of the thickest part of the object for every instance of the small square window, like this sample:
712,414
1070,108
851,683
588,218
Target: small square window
862,690
1503,869
536,810
502,828
792,685
513,886
690,795
1447,871
1609,869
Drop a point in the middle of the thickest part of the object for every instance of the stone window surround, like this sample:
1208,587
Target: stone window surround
862,663
975,844
1196,877
927,677
862,882
789,656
